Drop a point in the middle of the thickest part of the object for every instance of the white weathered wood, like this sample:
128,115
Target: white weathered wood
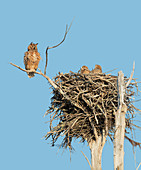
96,148
120,125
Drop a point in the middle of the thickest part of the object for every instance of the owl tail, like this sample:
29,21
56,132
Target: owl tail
30,75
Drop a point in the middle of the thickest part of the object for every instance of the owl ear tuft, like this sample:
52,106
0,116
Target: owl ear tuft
36,44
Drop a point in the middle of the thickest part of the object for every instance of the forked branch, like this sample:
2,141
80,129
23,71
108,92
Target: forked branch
67,30
40,73
51,82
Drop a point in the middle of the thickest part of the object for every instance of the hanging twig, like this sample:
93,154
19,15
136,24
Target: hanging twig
67,30
86,159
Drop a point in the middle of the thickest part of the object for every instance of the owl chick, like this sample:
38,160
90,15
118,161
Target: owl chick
97,69
84,70
31,59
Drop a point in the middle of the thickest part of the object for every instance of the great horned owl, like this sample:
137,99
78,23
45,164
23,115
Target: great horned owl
31,59
84,70
97,69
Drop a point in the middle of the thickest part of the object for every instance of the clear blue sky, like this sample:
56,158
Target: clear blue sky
104,32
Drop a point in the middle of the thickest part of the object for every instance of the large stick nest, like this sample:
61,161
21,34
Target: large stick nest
86,107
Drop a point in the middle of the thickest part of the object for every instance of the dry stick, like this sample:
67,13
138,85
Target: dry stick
52,83
110,70
127,84
134,143
86,159
40,73
138,166
46,61
67,30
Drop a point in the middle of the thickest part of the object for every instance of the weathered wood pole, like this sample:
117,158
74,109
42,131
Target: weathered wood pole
120,125
96,147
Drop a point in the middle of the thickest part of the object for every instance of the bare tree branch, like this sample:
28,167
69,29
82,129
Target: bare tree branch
46,60
134,143
67,30
131,76
40,73
52,83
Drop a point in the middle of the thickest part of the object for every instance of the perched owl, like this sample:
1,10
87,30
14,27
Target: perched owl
97,69
84,70
31,59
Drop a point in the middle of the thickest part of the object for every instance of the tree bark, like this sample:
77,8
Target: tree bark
120,125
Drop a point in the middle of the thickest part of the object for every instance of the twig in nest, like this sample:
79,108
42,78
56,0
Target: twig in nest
67,30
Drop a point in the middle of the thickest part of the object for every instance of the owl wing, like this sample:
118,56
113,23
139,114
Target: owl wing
26,61
36,59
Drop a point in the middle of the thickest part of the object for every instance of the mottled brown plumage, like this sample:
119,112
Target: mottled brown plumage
84,70
31,59
97,69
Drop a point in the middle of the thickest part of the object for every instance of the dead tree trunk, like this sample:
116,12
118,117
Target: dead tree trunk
96,147
120,125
